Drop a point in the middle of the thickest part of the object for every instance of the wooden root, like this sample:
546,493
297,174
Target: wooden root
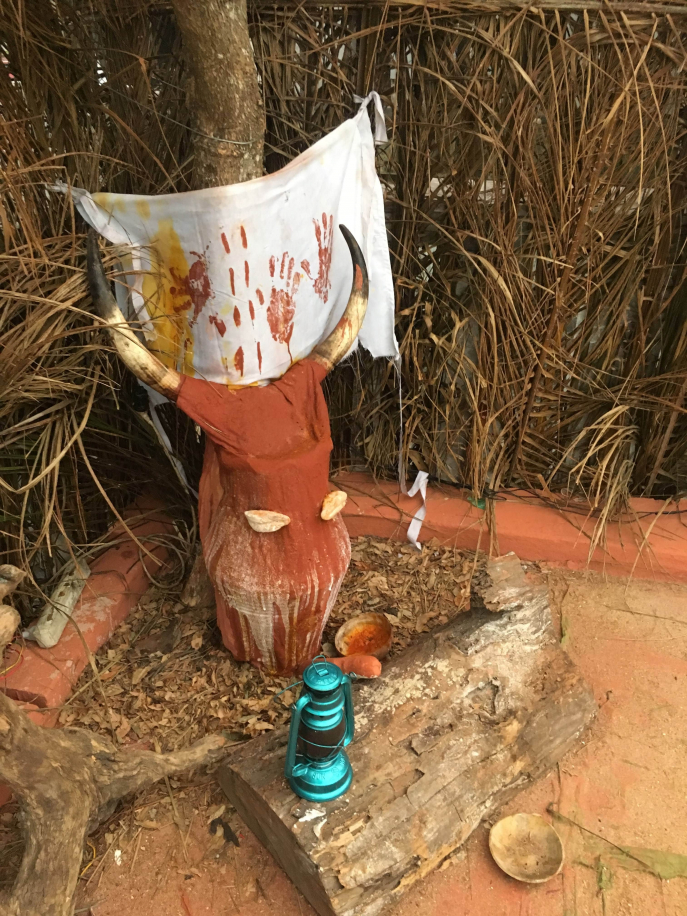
66,781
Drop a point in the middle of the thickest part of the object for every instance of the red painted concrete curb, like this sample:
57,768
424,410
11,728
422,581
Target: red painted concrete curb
119,578
527,526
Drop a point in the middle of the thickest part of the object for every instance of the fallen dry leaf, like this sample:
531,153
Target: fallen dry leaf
139,674
124,728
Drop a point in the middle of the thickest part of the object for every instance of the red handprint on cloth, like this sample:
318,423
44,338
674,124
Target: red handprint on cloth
193,289
324,233
282,307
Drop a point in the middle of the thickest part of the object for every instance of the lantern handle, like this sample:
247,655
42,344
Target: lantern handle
296,711
348,710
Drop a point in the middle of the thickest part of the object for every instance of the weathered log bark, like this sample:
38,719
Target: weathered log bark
66,781
229,117
455,726
10,577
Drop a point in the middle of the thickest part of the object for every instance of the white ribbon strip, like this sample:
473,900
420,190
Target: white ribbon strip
380,121
420,485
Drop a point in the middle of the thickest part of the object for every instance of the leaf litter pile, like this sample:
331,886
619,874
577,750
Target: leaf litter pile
165,679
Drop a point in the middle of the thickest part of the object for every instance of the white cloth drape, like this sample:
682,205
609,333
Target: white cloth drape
234,284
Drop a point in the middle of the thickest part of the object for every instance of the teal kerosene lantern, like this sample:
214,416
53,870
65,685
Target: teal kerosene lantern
317,766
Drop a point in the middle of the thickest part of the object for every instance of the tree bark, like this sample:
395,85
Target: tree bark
227,102
457,724
229,116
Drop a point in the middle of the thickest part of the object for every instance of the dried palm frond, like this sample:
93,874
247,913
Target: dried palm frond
83,94
535,192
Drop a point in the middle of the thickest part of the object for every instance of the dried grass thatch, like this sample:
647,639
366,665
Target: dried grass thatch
535,199
73,449
535,184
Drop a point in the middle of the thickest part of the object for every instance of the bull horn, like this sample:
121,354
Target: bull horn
340,341
132,352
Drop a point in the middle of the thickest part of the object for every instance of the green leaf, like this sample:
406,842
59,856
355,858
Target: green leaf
604,875
664,865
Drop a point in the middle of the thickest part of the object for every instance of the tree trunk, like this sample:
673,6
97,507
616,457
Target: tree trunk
457,724
226,99
227,102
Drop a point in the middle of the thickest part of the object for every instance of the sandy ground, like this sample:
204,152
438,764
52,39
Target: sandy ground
626,785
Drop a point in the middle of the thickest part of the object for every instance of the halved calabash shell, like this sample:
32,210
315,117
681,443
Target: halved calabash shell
526,847
366,634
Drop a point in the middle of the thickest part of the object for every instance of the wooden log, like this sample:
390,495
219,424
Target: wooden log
455,726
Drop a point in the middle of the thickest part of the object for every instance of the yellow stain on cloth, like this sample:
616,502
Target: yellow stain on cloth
169,297
168,289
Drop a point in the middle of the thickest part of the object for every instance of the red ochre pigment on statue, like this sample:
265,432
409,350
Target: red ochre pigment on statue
244,240
268,448
261,298
219,324
231,280
251,310
225,243
238,360
246,270
259,358
237,316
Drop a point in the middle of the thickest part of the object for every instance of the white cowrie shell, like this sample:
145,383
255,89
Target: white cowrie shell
332,504
265,520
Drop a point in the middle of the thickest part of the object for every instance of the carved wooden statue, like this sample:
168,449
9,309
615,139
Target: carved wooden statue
274,543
